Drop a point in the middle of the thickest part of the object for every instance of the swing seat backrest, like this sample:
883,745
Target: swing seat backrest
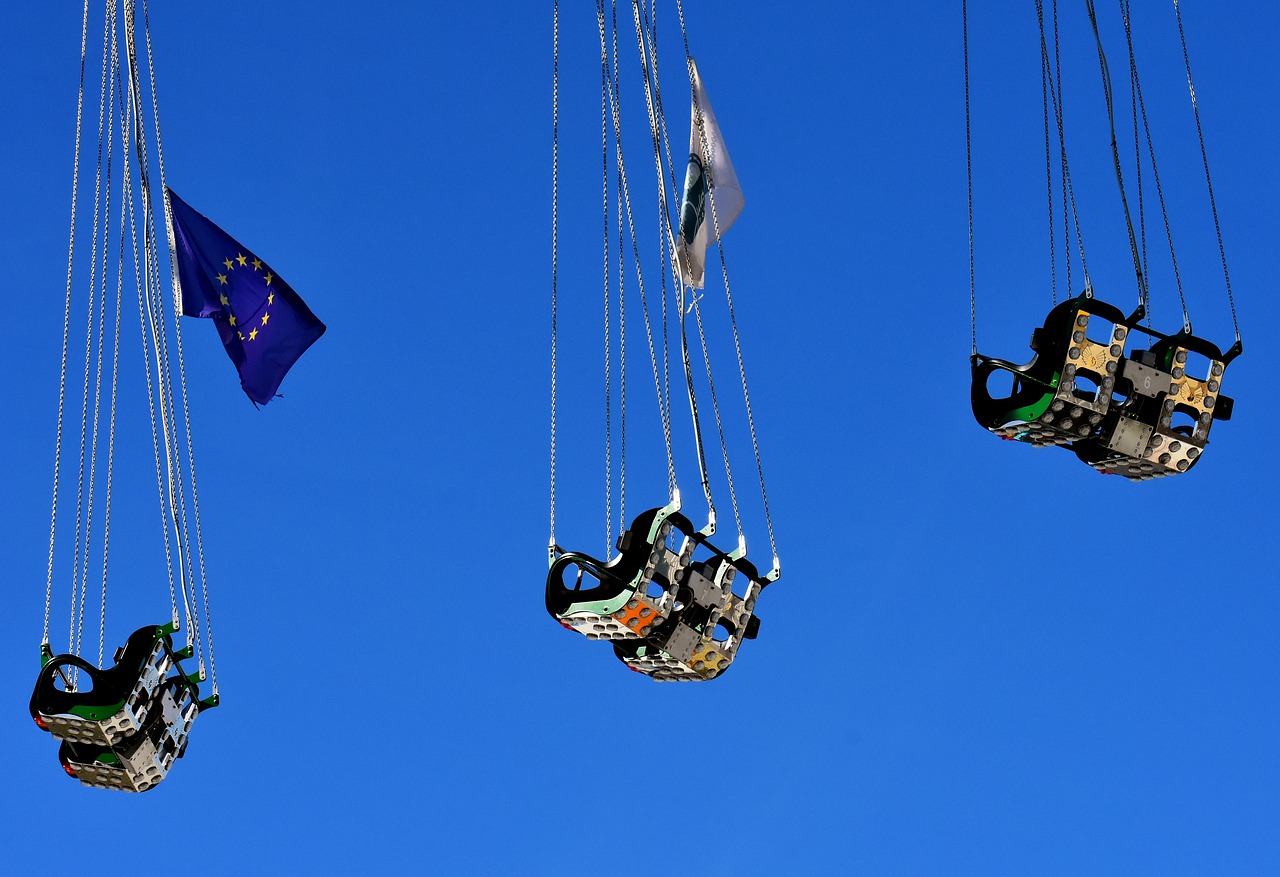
119,699
617,604
1064,392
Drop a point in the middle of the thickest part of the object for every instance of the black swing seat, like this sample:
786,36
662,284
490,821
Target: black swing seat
141,761
1052,402
1138,438
1114,411
124,729
669,614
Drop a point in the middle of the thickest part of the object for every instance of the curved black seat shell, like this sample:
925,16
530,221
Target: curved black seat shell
110,687
668,633
612,578
1038,383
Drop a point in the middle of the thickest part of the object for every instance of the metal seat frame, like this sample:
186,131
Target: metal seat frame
662,609
127,727
1124,426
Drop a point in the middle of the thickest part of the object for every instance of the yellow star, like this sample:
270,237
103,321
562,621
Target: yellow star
228,263
222,278
225,301
241,334
241,259
253,335
271,298
265,317
233,319
269,276
257,264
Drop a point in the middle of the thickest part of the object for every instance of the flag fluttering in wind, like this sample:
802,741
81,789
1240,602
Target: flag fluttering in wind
709,179
262,322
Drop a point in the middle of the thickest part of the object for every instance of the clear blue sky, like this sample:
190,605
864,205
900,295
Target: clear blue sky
981,658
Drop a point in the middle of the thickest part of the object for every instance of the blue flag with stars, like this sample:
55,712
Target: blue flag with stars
263,323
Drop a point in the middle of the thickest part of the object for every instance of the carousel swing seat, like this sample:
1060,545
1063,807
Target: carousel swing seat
1052,402
1139,438
1115,412
141,761
668,615
125,729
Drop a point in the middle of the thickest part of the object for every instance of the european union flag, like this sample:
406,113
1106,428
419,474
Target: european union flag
263,323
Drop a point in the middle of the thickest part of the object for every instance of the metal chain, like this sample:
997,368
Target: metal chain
606,100
1134,100
622,323
155,312
1115,154
968,157
1069,194
715,408
1055,84
146,321
182,373
1140,110
1048,176
177,488
648,70
81,540
733,320
663,402
555,242
1204,157
98,289
666,240
66,324
111,441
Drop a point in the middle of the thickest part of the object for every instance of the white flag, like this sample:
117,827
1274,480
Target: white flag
698,227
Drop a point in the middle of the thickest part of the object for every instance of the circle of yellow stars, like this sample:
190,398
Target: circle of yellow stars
243,261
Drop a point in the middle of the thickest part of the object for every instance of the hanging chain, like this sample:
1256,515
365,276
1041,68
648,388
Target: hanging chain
666,239
1204,156
177,488
81,539
555,243
111,440
1115,155
182,373
663,402
1069,195
1140,109
968,159
1135,98
101,294
151,325
66,323
1048,176
733,320
622,320
606,100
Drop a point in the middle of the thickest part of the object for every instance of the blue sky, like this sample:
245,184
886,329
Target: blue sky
981,658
